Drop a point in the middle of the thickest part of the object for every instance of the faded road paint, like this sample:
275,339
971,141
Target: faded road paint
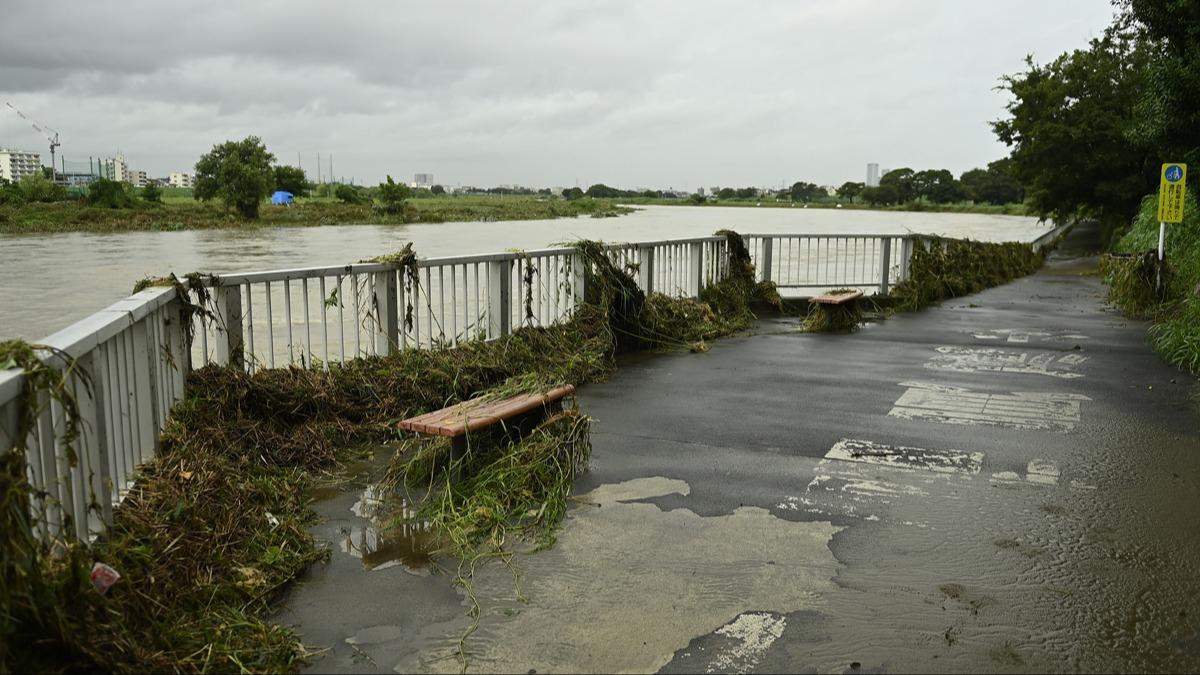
1019,410
986,359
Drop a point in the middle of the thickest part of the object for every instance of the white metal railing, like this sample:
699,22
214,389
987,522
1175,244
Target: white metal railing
126,364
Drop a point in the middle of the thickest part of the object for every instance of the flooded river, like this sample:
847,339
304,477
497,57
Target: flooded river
48,281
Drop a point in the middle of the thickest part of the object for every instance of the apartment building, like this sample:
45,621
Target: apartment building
16,164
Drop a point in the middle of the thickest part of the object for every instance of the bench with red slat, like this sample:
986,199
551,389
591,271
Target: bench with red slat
836,298
458,419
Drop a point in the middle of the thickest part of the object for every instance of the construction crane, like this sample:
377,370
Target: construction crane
45,131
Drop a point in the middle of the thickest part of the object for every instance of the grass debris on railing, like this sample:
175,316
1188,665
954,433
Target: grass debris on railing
949,268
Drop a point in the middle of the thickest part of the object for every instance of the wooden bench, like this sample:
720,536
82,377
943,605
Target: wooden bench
458,420
836,298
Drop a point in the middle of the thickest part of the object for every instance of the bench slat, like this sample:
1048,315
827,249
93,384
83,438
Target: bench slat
475,414
836,298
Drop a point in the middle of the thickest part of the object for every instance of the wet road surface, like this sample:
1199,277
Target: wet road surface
1008,482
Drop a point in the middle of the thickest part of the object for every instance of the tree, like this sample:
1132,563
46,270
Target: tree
291,179
937,185
348,194
393,195
438,190
600,190
38,188
806,192
726,193
238,173
902,181
994,185
152,193
1168,118
882,195
571,194
1070,127
10,193
110,194
849,190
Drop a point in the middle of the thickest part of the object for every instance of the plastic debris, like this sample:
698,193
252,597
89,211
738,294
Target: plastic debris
103,577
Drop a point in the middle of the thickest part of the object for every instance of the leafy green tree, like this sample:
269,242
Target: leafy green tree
152,193
994,185
571,194
850,189
937,185
10,193
903,183
393,195
806,192
291,179
697,198
38,188
348,194
238,173
1070,127
110,194
438,190
726,193
1168,116
882,195
600,190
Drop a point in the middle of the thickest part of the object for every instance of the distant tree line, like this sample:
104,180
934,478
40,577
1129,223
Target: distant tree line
994,185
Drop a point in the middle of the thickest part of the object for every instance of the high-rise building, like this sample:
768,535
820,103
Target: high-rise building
16,164
422,180
181,180
872,175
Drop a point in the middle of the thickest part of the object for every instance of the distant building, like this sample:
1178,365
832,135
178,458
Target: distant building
181,180
700,191
16,164
422,180
873,175
137,178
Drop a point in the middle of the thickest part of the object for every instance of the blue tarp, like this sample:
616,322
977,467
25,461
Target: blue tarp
282,197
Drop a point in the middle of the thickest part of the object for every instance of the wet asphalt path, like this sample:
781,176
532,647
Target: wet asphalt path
1008,482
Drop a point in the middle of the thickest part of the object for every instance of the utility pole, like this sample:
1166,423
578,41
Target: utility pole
331,180
319,167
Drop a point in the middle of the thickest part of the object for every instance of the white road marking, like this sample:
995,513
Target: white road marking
755,632
904,457
1020,336
1019,410
989,359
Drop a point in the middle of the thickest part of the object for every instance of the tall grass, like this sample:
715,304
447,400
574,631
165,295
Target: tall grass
1174,307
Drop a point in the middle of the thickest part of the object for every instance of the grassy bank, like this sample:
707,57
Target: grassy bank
1174,307
180,213
833,203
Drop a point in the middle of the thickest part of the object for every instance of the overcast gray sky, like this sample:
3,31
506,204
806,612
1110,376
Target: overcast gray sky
655,94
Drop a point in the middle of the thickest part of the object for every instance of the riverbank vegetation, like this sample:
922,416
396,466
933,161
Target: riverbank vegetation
1090,131
185,214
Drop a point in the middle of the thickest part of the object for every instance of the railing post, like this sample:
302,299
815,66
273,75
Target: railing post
386,302
906,248
885,260
499,297
579,278
696,251
180,363
143,392
92,444
768,246
230,350
646,268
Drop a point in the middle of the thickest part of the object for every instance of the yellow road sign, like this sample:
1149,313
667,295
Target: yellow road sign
1171,193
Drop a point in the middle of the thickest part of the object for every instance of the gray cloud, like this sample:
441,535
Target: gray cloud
631,93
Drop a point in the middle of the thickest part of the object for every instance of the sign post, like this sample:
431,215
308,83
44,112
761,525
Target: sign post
1171,192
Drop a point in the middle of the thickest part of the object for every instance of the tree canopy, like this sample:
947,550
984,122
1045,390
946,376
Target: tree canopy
238,173
291,179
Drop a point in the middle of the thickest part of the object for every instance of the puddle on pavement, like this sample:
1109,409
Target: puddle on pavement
386,534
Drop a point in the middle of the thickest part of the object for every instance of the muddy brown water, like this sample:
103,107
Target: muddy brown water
48,281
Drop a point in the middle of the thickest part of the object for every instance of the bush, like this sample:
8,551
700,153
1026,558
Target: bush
393,195
348,194
110,194
152,193
1175,306
11,194
38,188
